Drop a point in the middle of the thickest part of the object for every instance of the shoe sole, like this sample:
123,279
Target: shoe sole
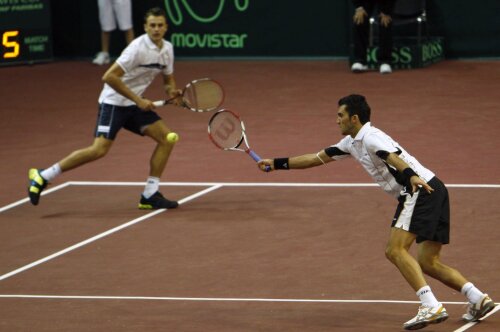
421,325
34,198
150,207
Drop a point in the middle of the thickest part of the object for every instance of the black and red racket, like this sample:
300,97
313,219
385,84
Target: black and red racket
201,95
227,131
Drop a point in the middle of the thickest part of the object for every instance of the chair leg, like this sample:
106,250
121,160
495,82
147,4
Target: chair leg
419,33
370,34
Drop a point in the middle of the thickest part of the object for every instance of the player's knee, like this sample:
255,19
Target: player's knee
427,264
392,253
395,253
98,152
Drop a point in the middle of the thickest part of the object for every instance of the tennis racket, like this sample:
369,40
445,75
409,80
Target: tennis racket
201,95
227,131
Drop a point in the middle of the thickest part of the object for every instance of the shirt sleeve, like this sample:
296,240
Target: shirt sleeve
375,143
129,59
339,150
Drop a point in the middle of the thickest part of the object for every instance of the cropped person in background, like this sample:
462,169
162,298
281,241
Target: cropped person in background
364,9
112,12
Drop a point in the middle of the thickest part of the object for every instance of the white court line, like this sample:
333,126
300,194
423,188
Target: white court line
229,299
230,184
205,299
262,184
213,186
104,234
471,324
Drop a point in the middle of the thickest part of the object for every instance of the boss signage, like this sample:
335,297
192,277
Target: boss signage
406,54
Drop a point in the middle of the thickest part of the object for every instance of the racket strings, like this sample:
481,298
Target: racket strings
204,95
226,130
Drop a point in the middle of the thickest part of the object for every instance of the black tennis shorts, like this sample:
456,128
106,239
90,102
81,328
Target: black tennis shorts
111,119
426,215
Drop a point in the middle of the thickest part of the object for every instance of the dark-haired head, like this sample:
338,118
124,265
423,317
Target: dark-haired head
356,105
155,11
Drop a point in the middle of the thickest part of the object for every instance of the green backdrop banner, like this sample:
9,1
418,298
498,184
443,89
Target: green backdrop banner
269,28
257,27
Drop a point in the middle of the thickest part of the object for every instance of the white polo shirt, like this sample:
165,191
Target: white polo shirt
141,60
364,149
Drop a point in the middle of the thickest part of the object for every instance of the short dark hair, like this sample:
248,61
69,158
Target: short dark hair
356,105
155,11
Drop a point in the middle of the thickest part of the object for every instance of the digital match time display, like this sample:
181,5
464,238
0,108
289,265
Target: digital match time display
25,31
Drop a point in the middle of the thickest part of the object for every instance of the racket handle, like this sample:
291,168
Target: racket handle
254,155
257,159
159,103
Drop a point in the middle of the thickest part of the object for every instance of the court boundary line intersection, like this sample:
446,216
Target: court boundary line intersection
211,186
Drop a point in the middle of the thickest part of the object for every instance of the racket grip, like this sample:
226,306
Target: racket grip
257,159
159,103
254,155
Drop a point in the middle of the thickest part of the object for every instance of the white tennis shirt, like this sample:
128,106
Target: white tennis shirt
142,61
364,149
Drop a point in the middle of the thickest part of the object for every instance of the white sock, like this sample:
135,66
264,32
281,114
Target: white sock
50,173
427,297
473,294
152,186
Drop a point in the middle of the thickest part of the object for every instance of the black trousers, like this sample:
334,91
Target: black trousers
361,35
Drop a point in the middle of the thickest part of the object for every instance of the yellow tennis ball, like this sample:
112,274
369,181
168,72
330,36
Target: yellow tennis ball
172,137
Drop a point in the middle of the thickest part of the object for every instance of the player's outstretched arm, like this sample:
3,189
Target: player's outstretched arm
297,162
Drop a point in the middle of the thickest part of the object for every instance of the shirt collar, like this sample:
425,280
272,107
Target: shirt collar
150,43
362,132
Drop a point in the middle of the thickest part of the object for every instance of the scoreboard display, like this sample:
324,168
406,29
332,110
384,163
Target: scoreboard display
25,31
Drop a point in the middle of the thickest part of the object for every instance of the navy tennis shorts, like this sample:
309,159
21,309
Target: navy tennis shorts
426,215
111,119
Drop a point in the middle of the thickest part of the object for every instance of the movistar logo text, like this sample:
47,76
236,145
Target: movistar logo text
176,9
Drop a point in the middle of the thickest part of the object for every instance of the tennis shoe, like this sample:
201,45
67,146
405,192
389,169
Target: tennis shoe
358,67
157,201
385,68
36,185
102,58
476,311
426,316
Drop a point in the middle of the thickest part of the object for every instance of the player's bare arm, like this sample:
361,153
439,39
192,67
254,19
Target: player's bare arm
398,163
171,90
297,162
113,77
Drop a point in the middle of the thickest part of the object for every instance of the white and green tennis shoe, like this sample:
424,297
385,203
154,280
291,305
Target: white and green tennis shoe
426,316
